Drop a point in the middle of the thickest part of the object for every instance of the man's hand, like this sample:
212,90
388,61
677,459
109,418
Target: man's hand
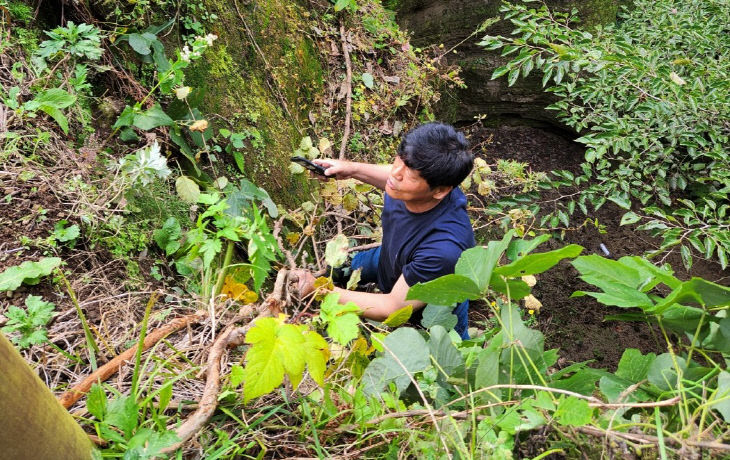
338,169
302,281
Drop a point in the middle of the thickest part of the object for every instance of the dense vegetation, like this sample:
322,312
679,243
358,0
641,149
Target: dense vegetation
139,222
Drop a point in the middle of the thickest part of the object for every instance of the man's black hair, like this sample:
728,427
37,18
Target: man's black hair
438,152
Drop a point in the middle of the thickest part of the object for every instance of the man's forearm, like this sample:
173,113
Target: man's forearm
373,306
375,175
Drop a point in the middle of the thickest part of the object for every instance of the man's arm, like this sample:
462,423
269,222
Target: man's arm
380,306
375,175
373,306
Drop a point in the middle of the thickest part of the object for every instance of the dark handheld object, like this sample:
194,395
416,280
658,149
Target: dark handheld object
315,168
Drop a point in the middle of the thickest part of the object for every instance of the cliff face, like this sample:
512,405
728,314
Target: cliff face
452,21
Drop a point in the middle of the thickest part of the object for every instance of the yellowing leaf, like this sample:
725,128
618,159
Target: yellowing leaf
316,354
350,202
399,317
354,280
336,252
238,291
293,238
325,145
187,189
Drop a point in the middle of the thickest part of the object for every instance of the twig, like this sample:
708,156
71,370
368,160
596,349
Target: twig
363,247
348,100
277,234
645,438
68,398
231,337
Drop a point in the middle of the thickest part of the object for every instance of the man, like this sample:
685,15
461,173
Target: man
424,218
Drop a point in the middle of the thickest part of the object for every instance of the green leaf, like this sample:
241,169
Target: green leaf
516,289
167,237
446,290
96,402
27,272
630,218
573,412
367,80
123,413
237,375
276,348
165,395
538,263
438,315
619,282
336,251
487,373
634,366
405,353
478,262
443,352
399,316
662,372
520,248
342,320
210,248
695,291
187,189
316,352
342,4
722,396
139,43
152,118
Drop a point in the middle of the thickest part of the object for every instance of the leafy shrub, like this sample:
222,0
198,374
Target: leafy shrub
651,99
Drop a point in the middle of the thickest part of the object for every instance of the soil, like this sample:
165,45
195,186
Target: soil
576,325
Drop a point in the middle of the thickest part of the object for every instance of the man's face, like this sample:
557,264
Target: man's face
407,185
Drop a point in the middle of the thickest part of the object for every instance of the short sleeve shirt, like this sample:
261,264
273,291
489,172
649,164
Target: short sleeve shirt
423,246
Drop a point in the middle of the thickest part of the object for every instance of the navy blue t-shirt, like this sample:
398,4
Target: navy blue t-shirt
423,246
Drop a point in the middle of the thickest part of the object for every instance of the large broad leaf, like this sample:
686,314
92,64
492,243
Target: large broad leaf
614,387
520,343
27,272
520,248
478,262
583,381
650,273
438,314
443,352
696,291
719,336
405,352
276,348
487,373
152,118
446,290
537,263
620,296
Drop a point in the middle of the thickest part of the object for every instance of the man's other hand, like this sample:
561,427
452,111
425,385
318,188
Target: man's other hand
302,281
338,169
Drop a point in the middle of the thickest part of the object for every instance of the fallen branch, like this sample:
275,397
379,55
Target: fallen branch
348,101
68,398
648,439
232,337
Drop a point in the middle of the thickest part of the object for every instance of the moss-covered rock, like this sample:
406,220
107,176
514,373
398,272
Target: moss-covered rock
451,22
260,77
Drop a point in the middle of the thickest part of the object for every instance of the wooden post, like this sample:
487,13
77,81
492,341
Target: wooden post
33,425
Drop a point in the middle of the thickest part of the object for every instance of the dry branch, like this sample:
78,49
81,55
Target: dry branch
648,439
348,101
68,398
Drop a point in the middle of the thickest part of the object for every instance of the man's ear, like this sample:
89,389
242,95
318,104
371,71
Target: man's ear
441,191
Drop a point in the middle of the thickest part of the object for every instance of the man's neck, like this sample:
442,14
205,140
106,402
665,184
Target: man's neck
418,207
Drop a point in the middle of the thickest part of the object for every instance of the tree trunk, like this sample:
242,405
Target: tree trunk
33,425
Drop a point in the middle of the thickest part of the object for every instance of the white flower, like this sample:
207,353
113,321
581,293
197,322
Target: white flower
182,92
210,38
185,54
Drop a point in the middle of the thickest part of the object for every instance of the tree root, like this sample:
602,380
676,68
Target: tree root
68,398
230,338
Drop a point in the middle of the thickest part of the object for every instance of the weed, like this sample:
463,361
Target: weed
27,327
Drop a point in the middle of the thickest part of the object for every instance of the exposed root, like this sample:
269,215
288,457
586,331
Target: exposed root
230,338
68,398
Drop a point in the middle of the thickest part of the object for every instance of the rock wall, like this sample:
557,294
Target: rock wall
450,22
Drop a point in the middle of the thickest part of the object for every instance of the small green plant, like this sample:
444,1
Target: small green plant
144,166
28,327
78,41
63,234
28,272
